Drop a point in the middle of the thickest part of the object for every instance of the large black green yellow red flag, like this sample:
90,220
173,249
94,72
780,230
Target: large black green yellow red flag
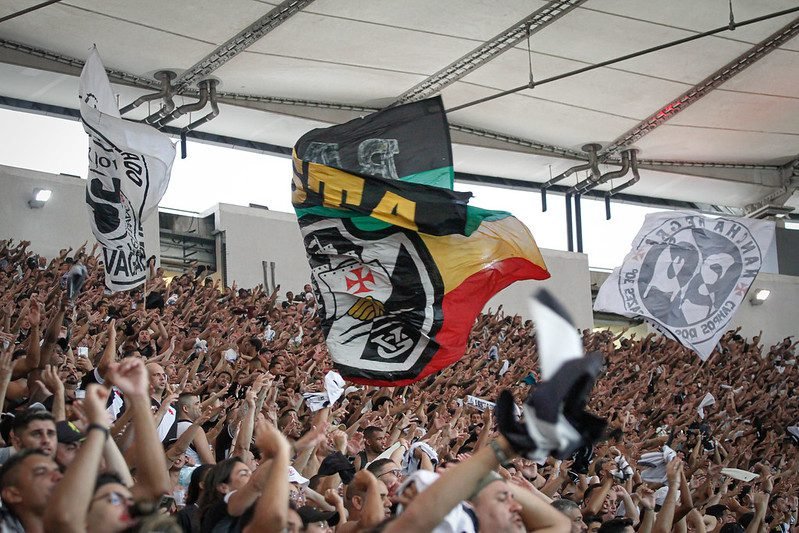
401,264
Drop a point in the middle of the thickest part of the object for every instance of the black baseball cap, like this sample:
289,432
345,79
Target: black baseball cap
311,515
67,433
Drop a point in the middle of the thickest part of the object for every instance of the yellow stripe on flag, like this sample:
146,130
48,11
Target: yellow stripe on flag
459,256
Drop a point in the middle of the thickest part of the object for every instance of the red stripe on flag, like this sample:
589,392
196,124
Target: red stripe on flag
461,306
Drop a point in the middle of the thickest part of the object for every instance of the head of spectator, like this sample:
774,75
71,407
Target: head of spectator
34,430
495,507
387,471
617,525
224,478
188,407
316,521
197,484
27,481
572,510
69,439
592,523
158,380
374,439
110,508
732,527
355,498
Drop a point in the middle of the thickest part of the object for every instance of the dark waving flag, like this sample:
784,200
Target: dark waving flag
401,264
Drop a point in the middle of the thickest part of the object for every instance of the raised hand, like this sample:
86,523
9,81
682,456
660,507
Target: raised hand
269,440
94,405
34,313
311,439
51,381
6,365
130,377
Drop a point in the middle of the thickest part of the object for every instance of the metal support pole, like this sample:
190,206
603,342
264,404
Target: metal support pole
569,231
578,222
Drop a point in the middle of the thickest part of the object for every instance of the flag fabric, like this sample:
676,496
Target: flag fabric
554,420
129,168
687,275
401,264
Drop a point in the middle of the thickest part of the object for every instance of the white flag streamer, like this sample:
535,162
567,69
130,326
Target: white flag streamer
129,168
688,274
334,388
707,401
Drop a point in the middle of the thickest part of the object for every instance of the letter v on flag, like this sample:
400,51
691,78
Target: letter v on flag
401,264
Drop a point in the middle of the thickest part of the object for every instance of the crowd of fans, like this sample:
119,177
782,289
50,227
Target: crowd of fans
179,407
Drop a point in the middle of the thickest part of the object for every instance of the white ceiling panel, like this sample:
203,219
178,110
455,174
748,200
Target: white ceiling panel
743,112
207,21
528,118
319,37
123,45
478,20
682,143
593,37
776,74
603,90
367,52
704,15
309,79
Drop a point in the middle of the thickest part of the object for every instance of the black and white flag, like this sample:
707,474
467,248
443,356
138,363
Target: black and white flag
554,419
129,167
688,274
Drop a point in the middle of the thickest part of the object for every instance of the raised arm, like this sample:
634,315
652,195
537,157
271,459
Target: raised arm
69,504
455,485
665,517
271,510
152,475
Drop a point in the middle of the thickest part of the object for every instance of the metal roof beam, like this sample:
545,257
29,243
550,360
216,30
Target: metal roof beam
484,53
74,65
753,174
240,42
772,176
703,88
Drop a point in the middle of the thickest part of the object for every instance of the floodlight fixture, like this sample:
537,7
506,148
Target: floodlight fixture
40,197
759,296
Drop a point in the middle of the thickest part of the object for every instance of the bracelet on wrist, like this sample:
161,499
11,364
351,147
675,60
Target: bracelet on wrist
499,453
98,427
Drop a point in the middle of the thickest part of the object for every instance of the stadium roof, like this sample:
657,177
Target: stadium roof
715,120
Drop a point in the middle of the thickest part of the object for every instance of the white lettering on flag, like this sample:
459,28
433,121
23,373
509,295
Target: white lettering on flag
688,274
129,168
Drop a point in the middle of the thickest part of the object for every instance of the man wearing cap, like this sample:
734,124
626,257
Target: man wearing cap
69,439
316,521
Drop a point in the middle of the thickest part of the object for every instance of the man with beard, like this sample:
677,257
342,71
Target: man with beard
374,444
32,430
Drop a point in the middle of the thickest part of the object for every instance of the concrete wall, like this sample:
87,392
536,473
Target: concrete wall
62,222
570,282
254,235
777,317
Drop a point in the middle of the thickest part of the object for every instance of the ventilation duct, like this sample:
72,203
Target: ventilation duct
629,183
592,165
190,107
165,77
211,86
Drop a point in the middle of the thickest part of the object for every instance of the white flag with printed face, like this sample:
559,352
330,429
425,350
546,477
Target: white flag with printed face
687,274
129,167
